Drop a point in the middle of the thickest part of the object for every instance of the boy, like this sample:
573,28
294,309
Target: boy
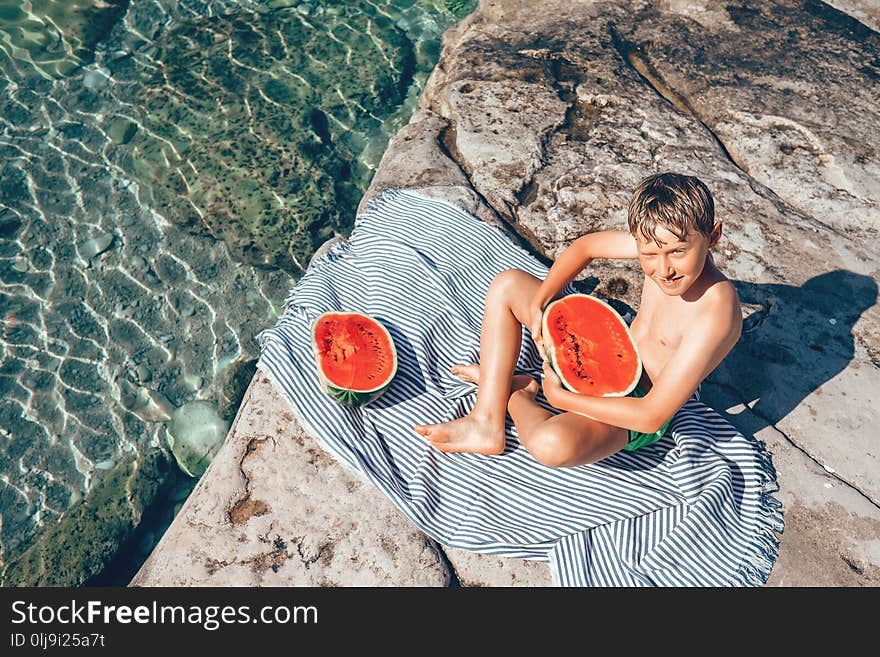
688,320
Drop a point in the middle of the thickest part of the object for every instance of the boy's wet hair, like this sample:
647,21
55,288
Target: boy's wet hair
672,200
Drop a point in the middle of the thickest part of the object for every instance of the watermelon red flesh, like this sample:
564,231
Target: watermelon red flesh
355,356
589,346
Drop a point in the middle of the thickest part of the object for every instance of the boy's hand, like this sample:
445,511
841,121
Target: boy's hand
552,386
535,330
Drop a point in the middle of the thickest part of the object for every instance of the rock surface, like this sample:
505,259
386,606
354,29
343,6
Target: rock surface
273,509
543,116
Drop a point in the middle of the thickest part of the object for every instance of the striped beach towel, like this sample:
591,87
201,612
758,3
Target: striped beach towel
694,509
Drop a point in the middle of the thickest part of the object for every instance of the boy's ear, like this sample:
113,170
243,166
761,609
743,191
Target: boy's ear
715,235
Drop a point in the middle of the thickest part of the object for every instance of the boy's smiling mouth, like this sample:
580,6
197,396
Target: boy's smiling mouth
671,281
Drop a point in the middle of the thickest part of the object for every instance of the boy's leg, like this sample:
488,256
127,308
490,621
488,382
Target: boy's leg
506,311
562,440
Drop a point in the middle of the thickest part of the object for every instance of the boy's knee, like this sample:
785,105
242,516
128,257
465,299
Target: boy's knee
554,450
507,280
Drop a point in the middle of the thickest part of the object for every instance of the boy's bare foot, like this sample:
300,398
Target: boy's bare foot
529,391
471,374
472,433
466,434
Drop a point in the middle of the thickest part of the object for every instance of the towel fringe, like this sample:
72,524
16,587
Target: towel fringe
764,549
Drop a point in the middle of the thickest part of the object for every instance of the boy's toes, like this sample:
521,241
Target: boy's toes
469,373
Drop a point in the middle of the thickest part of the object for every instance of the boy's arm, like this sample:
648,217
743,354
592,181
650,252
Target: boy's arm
578,254
702,348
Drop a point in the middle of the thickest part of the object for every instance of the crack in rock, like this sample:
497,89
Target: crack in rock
522,236
213,565
736,394
632,54
563,75
564,78
244,508
324,553
272,560
454,579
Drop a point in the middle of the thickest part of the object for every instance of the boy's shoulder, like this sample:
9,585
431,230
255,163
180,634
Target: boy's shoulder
719,303
719,288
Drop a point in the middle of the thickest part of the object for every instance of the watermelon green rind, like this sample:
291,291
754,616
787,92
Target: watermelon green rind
352,397
549,349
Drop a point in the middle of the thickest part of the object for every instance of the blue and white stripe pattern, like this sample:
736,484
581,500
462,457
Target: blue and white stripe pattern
694,509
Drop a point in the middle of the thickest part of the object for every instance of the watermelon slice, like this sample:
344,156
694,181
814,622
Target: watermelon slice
355,356
590,347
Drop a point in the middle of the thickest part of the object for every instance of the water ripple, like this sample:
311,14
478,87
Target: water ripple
168,169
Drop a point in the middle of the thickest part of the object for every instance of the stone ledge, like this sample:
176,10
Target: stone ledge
274,509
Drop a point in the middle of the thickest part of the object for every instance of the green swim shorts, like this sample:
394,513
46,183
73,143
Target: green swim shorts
638,439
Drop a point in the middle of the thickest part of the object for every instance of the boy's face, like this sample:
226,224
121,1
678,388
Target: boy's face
676,263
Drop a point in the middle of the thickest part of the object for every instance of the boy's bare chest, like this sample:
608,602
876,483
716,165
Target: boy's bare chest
657,331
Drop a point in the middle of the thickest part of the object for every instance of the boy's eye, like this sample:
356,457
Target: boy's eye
679,251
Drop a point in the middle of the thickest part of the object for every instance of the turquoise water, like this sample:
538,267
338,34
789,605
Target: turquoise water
168,170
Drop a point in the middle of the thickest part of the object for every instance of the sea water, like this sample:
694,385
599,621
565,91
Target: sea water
168,168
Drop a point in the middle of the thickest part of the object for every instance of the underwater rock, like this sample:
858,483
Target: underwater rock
89,533
58,37
121,131
151,405
195,433
91,248
254,124
235,382
96,79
